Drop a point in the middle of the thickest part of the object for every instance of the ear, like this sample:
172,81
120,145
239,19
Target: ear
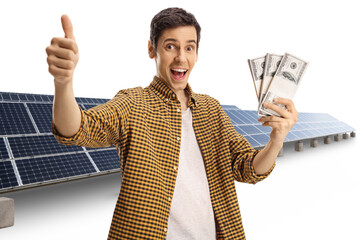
151,50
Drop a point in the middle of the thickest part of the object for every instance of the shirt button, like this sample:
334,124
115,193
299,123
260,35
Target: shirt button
169,199
178,110
166,99
173,95
165,229
178,138
175,168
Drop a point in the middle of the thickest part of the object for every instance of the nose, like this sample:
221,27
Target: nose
180,57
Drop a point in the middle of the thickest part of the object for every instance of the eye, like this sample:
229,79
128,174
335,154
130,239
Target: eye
189,48
170,47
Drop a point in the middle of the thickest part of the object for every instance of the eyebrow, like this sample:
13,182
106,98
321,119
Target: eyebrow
174,40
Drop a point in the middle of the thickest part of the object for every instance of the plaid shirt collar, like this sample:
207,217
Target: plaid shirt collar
166,94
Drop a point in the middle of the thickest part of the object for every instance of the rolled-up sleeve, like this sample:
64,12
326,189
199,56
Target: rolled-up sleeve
101,125
242,155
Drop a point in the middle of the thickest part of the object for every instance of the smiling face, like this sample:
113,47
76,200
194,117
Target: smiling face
175,56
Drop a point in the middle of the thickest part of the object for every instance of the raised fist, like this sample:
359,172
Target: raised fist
63,54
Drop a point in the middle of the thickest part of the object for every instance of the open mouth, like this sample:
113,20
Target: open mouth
178,73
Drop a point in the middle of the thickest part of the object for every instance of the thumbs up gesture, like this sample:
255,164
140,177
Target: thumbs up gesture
63,54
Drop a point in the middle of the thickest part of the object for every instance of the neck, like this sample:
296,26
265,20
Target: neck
183,98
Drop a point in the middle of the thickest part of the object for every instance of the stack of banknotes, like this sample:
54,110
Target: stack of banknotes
276,76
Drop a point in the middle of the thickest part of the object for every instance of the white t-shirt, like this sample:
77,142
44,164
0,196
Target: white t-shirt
191,213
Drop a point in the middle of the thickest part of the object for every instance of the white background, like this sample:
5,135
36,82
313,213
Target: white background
310,195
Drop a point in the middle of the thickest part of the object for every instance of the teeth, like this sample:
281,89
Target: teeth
179,70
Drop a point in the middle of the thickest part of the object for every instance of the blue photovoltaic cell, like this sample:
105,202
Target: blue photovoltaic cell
7,175
38,145
14,97
234,120
30,97
88,106
15,119
3,151
252,141
263,139
252,115
250,129
106,160
6,97
244,117
298,126
290,137
42,115
23,97
49,168
240,130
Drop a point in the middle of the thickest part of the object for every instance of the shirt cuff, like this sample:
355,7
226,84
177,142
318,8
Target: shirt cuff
73,140
249,166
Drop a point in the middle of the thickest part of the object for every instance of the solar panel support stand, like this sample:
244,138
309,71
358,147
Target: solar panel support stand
345,136
314,143
7,212
337,138
327,140
299,146
353,134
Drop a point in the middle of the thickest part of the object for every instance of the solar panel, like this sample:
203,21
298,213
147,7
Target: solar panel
7,175
42,115
56,167
30,155
309,125
32,146
105,160
15,112
3,151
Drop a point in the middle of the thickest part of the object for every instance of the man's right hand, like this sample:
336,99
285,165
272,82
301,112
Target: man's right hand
63,54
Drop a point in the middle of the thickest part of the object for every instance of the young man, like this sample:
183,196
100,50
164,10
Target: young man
178,150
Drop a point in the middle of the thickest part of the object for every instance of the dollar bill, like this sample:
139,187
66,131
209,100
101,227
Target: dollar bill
284,83
256,66
272,62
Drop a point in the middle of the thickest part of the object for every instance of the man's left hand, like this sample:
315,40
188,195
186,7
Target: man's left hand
280,125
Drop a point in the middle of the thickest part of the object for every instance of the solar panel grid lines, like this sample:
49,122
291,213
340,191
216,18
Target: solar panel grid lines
7,176
11,113
320,125
4,154
105,163
53,167
38,98
42,115
91,160
32,146
31,118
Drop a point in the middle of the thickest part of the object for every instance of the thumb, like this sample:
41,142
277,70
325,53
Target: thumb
67,27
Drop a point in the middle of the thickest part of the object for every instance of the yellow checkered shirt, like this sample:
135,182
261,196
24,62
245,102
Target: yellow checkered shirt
145,126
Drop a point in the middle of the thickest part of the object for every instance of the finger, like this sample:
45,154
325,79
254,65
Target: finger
287,102
59,72
60,63
270,119
61,52
271,124
67,27
65,43
280,110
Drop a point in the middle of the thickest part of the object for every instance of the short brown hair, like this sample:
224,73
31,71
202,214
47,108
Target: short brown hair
171,18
